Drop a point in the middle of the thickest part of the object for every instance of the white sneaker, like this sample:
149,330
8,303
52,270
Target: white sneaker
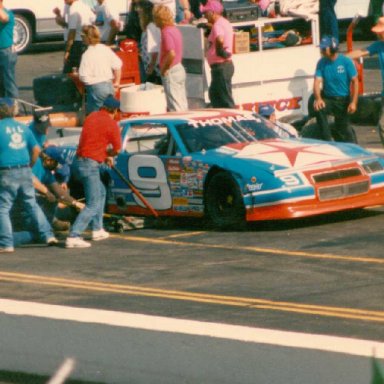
76,242
7,250
101,234
52,241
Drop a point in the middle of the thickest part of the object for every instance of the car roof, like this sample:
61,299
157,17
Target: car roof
195,114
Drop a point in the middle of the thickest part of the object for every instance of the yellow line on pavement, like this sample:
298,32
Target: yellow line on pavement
246,302
183,234
274,251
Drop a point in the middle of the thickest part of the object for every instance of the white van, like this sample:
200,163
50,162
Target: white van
35,20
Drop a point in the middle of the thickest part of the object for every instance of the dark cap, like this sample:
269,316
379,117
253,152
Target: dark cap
266,110
41,118
111,103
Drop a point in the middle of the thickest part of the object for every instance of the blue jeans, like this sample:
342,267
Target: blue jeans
87,171
96,94
8,61
174,88
17,184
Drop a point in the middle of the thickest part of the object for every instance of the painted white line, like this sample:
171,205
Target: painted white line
349,346
63,372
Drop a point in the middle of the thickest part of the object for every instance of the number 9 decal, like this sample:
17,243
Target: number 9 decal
290,180
148,175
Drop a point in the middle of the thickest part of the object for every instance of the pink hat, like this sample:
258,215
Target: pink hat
379,27
214,6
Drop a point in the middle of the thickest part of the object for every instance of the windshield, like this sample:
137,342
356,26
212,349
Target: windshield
209,134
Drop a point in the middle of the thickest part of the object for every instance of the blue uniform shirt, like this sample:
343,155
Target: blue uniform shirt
38,170
16,142
41,138
378,48
336,75
6,31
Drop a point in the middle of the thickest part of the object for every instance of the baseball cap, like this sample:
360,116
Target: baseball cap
379,27
7,101
55,153
111,102
266,110
41,118
212,6
328,42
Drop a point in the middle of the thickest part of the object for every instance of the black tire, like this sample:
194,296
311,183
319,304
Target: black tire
381,133
224,202
22,33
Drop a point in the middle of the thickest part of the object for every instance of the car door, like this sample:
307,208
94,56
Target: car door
147,150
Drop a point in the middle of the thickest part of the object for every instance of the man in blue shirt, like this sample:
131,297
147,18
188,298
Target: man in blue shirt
53,178
336,91
8,56
376,48
18,150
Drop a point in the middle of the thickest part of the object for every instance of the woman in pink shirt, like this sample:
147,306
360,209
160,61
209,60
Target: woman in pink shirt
171,70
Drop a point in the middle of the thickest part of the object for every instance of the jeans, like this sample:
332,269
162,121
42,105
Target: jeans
328,19
96,94
220,90
174,88
17,184
87,171
338,107
8,61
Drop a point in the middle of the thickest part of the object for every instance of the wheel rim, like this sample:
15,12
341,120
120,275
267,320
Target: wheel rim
21,35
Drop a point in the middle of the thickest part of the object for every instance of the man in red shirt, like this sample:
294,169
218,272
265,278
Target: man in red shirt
100,140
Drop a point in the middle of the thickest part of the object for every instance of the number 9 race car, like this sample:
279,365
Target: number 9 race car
234,167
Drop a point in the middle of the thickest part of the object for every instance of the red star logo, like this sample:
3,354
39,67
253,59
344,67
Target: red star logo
290,154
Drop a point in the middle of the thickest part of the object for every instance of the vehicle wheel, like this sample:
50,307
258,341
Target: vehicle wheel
224,202
22,34
381,133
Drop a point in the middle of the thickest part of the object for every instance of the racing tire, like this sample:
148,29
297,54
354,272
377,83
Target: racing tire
224,202
381,134
22,34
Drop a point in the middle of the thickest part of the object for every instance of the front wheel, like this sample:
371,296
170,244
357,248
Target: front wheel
22,33
224,202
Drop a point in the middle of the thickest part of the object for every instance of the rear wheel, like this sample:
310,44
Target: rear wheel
22,33
224,202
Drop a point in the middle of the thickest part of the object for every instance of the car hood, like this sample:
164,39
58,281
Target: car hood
279,154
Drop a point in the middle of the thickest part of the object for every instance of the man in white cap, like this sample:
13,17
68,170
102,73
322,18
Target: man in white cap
375,48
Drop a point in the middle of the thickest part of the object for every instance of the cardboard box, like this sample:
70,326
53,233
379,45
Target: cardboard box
241,42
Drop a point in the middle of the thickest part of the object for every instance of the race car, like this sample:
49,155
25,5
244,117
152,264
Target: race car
234,166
